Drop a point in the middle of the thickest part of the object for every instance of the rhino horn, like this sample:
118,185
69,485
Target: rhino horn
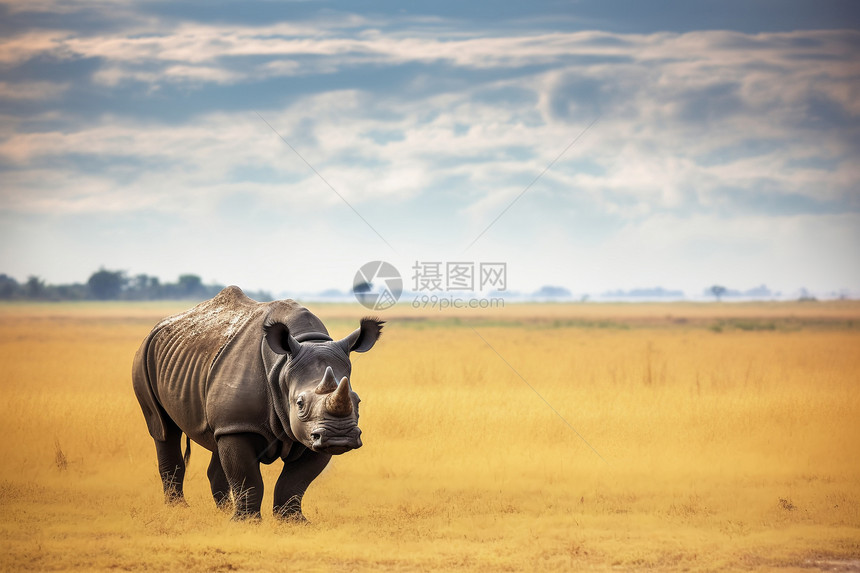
328,384
339,403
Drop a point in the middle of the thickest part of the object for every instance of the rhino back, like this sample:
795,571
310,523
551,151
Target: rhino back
208,369
183,349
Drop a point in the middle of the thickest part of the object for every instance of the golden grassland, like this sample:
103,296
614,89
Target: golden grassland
724,436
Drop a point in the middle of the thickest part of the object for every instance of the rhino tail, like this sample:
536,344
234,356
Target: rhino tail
187,457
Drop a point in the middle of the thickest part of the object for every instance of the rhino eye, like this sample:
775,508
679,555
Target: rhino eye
300,402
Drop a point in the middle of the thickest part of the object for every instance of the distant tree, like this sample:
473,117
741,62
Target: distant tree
143,287
139,283
76,291
806,296
261,295
106,285
759,292
154,288
549,291
9,287
362,287
34,287
190,286
718,291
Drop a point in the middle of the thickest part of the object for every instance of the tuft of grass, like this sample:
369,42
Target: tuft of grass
786,504
59,457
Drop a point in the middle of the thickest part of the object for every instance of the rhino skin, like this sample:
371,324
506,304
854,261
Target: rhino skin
251,382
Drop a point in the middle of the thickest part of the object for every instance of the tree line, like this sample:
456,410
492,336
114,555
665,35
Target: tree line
106,284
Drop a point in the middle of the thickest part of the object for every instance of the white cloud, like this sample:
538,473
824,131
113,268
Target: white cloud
726,52
32,90
62,6
17,49
693,129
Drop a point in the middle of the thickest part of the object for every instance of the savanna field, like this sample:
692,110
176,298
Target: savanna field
687,437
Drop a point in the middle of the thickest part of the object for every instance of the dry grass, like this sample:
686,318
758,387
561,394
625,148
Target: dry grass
731,447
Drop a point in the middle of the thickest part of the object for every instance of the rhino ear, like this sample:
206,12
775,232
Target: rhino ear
364,337
279,338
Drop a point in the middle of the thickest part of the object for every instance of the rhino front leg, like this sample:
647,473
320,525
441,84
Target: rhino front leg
171,466
239,459
294,480
218,482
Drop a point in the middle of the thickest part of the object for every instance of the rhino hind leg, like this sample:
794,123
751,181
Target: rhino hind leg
294,480
171,465
239,455
218,483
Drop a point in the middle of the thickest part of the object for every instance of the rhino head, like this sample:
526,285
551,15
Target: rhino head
322,408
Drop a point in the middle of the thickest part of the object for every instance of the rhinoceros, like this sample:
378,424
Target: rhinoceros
251,382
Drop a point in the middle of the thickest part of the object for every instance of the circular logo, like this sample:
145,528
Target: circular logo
377,285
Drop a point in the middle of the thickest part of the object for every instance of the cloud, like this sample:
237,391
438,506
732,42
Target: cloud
20,48
443,127
39,90
196,44
61,6
113,76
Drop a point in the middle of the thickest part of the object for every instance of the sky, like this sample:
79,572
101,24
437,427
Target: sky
594,145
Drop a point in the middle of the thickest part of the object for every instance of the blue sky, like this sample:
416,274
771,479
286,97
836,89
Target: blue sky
723,143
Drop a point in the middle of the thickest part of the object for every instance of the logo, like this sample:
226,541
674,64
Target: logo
377,285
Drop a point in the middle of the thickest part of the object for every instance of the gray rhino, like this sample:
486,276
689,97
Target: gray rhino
251,382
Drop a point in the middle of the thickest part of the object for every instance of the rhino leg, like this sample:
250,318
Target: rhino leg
239,455
171,466
294,480
218,482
